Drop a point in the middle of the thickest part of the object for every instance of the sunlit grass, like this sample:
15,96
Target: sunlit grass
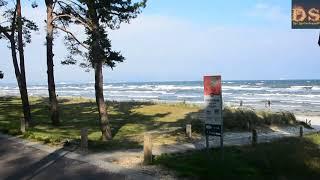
129,121
289,158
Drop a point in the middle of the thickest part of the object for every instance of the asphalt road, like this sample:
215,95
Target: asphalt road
21,162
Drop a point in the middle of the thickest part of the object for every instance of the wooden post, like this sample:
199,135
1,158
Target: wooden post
207,142
84,139
248,126
301,131
147,148
189,131
254,137
22,125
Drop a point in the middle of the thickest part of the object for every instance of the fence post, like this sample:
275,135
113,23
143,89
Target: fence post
189,131
254,137
22,125
248,126
301,131
147,148
84,139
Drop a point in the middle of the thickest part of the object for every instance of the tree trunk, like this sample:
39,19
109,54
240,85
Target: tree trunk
22,79
97,65
103,115
54,111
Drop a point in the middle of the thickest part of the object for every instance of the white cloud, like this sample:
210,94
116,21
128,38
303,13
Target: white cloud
268,12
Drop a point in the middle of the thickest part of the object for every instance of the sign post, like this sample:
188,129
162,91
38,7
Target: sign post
213,108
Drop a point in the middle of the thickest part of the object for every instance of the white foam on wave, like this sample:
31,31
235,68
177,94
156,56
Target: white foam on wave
260,84
244,87
290,95
188,96
316,88
142,96
175,87
295,88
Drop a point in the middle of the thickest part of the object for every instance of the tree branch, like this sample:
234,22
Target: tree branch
13,25
71,34
72,17
5,32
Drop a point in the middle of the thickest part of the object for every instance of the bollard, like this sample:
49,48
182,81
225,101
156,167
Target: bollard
301,131
147,148
254,137
22,125
84,139
189,131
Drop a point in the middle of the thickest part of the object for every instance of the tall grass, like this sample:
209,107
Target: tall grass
242,118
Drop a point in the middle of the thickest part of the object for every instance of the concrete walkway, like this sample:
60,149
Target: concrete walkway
20,159
134,157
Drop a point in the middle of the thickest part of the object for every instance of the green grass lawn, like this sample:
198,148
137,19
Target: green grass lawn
289,158
129,121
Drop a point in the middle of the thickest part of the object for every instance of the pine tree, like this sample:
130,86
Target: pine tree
97,17
17,30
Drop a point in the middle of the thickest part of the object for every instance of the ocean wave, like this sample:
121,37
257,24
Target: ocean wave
143,96
188,96
316,88
244,87
300,88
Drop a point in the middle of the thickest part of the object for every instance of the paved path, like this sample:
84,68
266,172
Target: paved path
230,139
20,159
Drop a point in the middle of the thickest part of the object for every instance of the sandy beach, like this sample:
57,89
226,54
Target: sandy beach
315,120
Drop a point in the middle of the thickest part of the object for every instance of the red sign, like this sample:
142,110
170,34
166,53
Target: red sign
212,85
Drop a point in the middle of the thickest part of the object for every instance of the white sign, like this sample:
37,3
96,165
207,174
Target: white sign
213,109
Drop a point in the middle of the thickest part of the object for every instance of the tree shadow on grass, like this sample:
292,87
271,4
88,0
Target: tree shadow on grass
77,114
128,124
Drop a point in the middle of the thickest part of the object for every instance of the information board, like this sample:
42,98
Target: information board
213,100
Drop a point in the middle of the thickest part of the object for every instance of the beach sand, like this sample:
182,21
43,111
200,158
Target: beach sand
315,120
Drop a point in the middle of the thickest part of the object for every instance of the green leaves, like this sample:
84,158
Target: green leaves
9,26
96,17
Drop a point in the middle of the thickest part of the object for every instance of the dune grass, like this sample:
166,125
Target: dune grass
289,158
129,121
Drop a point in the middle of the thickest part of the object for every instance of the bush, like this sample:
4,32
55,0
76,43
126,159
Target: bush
244,119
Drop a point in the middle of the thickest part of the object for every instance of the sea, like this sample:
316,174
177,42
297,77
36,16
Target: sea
299,96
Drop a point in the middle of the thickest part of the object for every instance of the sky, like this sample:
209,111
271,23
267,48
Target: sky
183,40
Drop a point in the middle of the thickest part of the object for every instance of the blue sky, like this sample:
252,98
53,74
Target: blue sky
184,40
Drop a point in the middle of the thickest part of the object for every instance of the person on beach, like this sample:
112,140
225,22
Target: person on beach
241,103
269,104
